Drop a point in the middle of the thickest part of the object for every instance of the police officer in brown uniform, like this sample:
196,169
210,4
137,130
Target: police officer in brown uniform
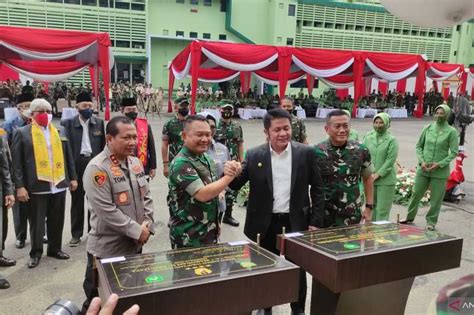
118,198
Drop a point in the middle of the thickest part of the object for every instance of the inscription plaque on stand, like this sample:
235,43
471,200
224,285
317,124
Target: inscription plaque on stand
232,278
369,268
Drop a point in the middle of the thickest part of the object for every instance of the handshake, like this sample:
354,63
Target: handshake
232,168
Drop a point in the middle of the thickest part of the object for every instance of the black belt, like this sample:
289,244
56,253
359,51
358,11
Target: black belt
281,216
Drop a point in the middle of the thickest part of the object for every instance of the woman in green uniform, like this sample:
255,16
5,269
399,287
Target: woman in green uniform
436,148
383,148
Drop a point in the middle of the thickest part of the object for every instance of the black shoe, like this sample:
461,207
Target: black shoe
230,220
60,255
74,242
7,262
4,284
19,244
33,262
406,221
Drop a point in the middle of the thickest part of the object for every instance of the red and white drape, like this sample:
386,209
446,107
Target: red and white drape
49,55
216,62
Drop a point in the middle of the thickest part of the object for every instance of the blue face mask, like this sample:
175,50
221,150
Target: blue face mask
86,113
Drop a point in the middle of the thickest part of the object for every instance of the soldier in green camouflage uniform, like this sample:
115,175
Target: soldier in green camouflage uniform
171,135
194,189
343,163
229,133
298,128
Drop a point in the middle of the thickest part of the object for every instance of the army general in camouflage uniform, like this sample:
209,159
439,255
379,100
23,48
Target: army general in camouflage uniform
194,188
298,129
342,163
229,133
171,135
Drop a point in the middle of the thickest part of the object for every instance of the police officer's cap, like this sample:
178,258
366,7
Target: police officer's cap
128,102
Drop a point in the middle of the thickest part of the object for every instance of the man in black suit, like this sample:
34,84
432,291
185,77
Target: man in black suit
43,169
85,146
280,174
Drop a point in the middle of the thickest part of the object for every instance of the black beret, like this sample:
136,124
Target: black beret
128,102
83,97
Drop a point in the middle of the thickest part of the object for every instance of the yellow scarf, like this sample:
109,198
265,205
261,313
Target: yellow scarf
44,171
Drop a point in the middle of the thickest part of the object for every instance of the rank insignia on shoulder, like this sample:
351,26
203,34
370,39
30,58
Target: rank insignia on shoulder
100,178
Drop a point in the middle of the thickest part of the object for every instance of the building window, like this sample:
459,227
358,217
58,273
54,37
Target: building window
307,23
328,25
349,27
122,43
138,45
104,3
387,30
207,3
122,5
405,32
359,28
339,26
90,2
367,28
223,6
378,30
179,34
206,35
166,32
278,39
289,41
193,34
194,2
179,1
455,52
291,10
318,24
222,37
423,33
72,1
138,6
458,28
55,1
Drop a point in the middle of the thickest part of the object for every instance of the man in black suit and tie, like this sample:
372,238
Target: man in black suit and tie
86,135
280,174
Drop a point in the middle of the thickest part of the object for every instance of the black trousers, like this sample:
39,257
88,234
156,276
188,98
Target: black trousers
269,242
90,282
49,208
20,220
77,201
4,227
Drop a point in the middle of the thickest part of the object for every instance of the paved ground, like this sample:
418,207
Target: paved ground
33,290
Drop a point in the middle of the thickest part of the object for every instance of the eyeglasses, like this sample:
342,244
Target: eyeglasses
42,111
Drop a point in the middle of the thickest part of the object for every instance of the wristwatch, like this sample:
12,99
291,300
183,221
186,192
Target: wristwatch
370,206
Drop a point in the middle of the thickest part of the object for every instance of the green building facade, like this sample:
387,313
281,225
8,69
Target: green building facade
147,34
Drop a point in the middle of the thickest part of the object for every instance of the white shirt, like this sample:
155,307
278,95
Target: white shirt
281,177
86,142
53,190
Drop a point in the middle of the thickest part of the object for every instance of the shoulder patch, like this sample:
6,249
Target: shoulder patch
99,178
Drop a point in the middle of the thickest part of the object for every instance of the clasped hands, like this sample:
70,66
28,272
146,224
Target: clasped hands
427,167
232,168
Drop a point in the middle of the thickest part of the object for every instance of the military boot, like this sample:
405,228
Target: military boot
228,219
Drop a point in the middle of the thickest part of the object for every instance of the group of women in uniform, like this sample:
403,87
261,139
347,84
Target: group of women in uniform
437,146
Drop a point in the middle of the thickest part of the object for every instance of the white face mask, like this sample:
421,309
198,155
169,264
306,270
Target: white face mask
50,118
